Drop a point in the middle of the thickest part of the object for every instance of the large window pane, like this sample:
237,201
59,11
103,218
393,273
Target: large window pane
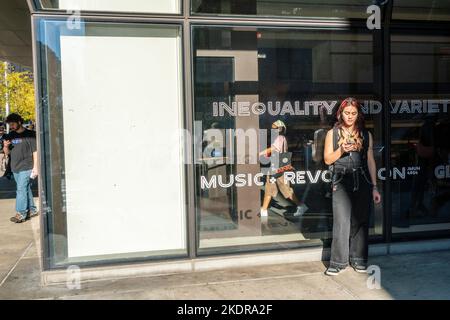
135,6
421,10
420,131
294,8
246,79
114,187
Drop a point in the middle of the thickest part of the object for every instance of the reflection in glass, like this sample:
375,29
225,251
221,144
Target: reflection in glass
265,76
421,10
420,130
135,6
292,8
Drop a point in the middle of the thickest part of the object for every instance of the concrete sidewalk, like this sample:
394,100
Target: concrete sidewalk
408,276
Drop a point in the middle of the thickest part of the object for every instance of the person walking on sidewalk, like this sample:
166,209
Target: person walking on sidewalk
349,153
20,146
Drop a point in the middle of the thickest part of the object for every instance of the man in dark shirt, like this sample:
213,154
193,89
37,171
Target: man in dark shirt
20,146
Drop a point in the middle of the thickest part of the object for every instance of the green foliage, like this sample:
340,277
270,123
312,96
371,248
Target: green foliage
20,89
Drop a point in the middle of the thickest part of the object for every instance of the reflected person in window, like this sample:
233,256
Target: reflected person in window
349,153
273,186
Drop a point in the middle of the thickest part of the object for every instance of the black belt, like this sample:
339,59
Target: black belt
354,172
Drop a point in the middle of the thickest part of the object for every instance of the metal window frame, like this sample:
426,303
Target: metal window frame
292,25
411,21
387,5
389,26
268,17
186,21
37,6
428,27
386,94
45,187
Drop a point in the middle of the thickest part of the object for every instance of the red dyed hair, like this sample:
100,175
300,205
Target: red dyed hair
359,125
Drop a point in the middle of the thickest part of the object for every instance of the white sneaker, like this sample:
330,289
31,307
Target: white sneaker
264,213
301,209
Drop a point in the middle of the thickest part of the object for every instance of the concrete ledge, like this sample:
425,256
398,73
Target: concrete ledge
259,259
419,246
380,249
61,277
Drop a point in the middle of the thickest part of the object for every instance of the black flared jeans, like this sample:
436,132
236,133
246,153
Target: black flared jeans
352,203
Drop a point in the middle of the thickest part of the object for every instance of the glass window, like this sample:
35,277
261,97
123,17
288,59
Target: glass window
114,185
421,10
292,8
245,80
420,130
134,6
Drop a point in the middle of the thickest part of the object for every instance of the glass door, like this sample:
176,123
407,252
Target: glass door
420,132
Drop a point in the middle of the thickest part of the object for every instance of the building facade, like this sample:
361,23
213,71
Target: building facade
152,115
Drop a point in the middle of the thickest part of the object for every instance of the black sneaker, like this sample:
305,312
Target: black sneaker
359,267
333,271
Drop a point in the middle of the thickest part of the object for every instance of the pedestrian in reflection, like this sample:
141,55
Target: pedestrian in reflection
275,185
349,153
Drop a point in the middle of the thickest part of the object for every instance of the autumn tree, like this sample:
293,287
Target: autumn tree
19,89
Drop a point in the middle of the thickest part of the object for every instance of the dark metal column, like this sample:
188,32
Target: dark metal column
387,117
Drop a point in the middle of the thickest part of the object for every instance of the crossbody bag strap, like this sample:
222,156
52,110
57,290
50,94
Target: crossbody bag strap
335,136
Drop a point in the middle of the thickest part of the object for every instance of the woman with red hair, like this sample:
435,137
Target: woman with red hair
349,153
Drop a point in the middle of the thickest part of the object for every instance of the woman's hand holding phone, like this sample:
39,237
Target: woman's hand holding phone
348,147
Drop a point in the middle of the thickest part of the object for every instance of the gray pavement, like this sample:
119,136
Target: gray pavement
407,276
